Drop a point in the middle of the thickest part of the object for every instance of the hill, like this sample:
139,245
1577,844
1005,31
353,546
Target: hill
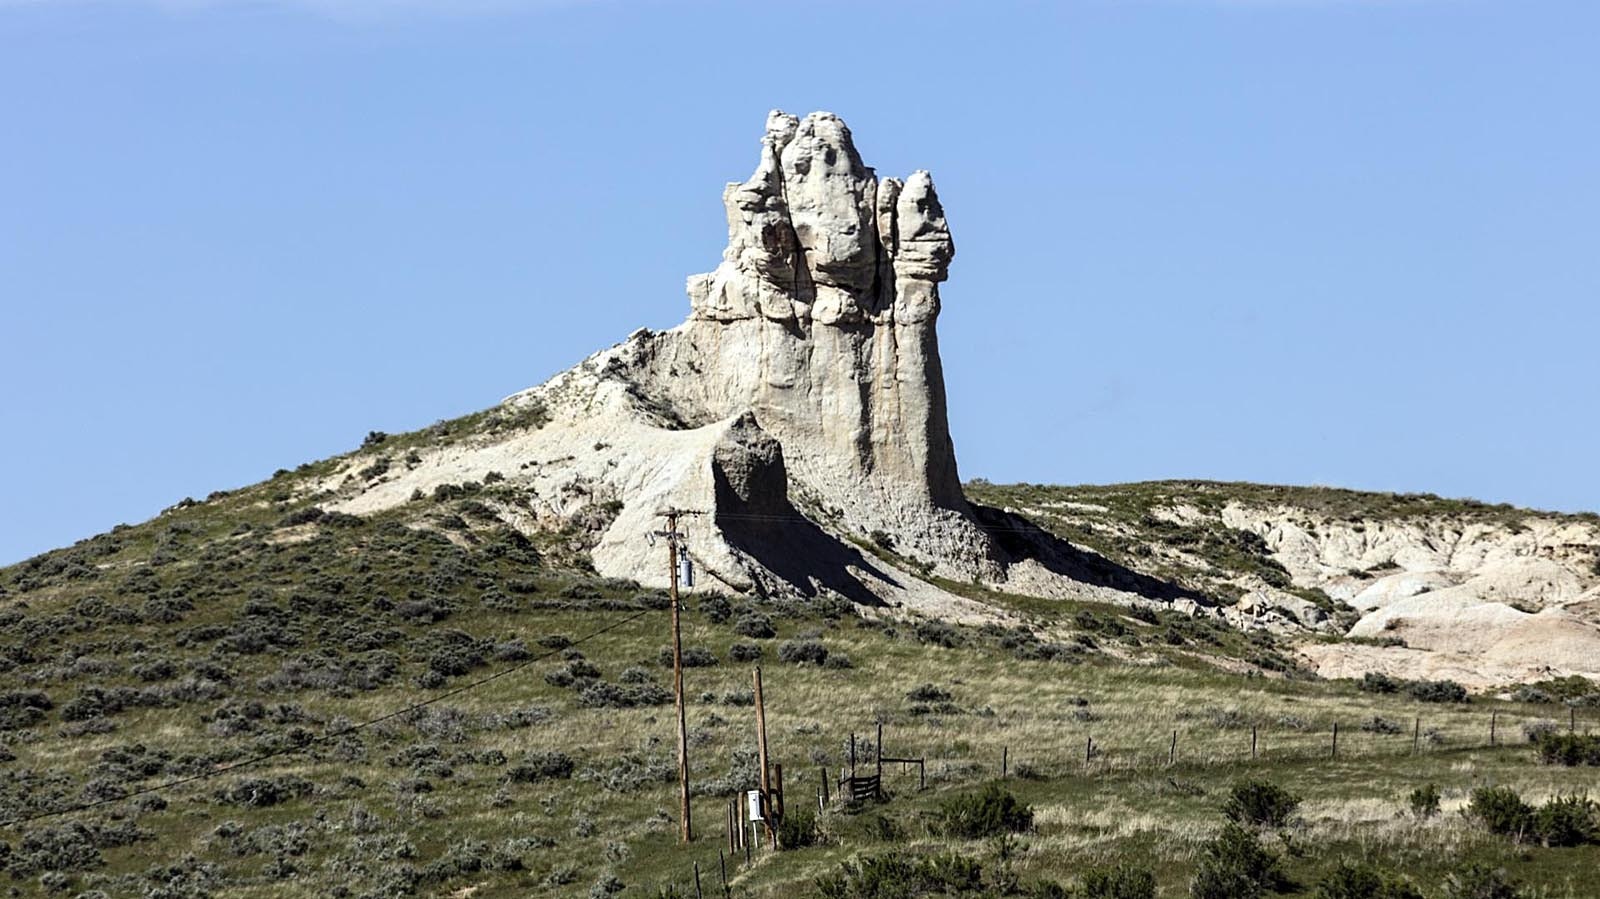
438,664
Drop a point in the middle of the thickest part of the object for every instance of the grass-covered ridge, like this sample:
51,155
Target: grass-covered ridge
251,624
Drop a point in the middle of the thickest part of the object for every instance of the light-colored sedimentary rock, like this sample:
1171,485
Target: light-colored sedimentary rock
801,401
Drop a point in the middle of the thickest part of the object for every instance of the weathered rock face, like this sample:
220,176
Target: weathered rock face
821,322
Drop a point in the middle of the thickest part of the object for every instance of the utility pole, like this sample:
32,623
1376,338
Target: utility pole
685,826
761,750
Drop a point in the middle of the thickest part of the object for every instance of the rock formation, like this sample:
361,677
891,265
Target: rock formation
801,402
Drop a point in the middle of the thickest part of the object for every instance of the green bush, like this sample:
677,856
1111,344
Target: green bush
898,876
754,625
993,812
1570,749
1234,865
1424,801
1261,803
1566,821
797,829
1375,682
1481,881
1501,810
1121,882
1437,691
801,652
1351,880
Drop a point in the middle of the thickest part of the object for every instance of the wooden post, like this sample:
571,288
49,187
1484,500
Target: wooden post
778,804
922,774
1005,761
685,827
1335,753
852,756
825,797
1252,742
761,749
1088,750
697,893
1416,736
877,752
1172,751
1494,719
722,861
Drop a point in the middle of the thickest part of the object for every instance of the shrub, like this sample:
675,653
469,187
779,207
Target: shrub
260,792
1424,801
1234,865
1501,810
1570,749
744,652
539,766
1380,725
797,829
1358,881
693,657
1260,803
800,652
1437,691
1120,882
755,626
928,693
1376,682
990,813
897,875
1481,881
23,708
623,696
716,608
1565,821
936,633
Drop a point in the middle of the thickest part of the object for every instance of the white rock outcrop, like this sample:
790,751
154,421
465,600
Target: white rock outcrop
801,402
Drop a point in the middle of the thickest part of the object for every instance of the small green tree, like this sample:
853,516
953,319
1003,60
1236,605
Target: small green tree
1260,803
1425,801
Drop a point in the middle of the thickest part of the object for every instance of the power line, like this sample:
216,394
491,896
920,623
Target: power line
323,738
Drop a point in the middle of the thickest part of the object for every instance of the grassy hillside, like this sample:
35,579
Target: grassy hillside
259,651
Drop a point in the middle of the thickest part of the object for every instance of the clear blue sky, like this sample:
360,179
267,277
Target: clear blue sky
1350,243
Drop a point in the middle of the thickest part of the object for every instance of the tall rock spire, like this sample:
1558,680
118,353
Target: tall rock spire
820,320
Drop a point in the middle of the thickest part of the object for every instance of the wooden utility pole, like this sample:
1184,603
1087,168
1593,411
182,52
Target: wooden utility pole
685,825
761,750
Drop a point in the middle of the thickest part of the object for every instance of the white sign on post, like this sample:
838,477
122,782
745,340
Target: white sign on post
754,798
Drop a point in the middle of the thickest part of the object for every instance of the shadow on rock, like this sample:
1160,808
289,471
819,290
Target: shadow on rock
1021,539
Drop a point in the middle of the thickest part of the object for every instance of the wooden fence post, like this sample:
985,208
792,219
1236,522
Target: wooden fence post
1335,753
1005,761
1172,752
1416,735
1088,750
1252,742
697,893
722,861
1494,719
